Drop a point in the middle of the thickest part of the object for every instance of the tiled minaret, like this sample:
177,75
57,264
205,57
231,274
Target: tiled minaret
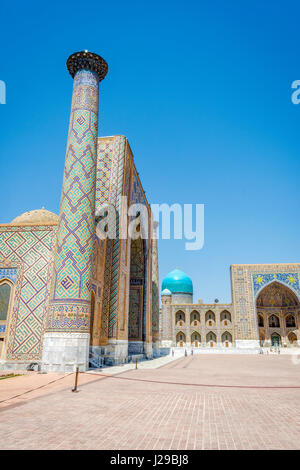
66,341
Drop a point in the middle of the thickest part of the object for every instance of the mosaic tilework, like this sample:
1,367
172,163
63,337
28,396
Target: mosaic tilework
70,300
134,314
155,291
9,273
124,280
137,197
29,248
106,290
114,169
68,316
123,301
137,291
260,280
115,195
110,168
103,171
105,154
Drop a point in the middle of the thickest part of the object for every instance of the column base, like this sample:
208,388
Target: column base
116,352
135,347
63,352
96,356
148,351
156,349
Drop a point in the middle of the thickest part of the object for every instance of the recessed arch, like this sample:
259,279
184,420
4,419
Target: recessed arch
278,283
275,339
210,316
290,321
195,338
277,307
180,316
211,337
274,321
226,336
6,294
180,339
226,339
292,338
194,317
225,315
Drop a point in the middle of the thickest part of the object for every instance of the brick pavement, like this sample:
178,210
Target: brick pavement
116,413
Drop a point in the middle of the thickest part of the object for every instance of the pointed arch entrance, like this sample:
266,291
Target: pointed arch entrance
180,339
275,339
196,339
277,308
292,338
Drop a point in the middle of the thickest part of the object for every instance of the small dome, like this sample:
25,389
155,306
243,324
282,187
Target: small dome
166,292
36,217
177,282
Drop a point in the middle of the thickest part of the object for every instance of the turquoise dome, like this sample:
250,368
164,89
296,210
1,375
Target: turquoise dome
178,282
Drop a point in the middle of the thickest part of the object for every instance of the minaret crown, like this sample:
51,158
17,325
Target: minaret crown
85,60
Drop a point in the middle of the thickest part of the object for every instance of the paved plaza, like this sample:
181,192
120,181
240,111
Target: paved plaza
194,402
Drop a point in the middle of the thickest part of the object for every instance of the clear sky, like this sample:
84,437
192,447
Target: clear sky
201,89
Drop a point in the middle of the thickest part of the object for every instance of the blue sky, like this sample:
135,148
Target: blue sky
201,89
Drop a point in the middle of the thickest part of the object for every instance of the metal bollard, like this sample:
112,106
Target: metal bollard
76,380
136,363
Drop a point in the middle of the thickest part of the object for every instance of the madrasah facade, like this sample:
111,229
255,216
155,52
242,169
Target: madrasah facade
264,312
70,298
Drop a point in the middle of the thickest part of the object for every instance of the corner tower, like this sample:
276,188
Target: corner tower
66,340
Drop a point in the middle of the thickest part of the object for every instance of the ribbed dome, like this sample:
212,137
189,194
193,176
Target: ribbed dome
36,217
178,282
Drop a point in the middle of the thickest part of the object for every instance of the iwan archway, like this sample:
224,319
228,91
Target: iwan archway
277,309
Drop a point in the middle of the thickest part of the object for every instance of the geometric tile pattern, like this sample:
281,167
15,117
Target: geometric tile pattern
116,192
70,299
109,188
137,197
114,173
104,161
137,274
155,290
262,279
29,248
134,313
9,273
107,154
